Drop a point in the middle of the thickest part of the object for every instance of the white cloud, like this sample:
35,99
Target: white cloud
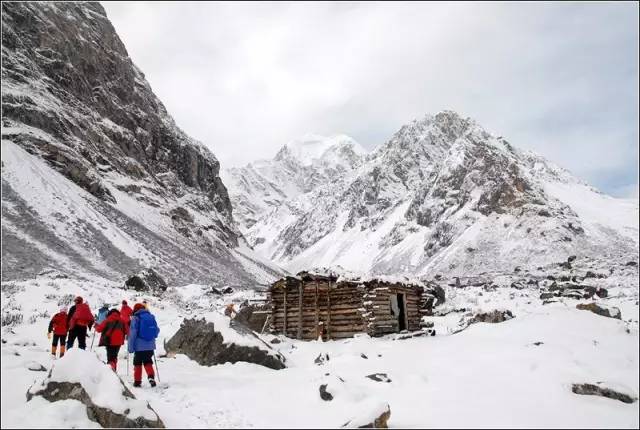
245,78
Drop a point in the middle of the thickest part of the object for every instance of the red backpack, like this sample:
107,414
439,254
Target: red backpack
113,333
82,316
59,324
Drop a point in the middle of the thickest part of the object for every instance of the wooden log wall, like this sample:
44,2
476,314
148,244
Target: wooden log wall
380,320
338,307
345,308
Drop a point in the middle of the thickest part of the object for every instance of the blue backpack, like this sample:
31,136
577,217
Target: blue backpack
147,327
102,315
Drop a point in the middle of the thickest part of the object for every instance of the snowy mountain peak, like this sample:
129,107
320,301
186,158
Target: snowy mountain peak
311,148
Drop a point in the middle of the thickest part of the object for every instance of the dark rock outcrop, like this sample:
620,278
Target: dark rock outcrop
612,312
199,341
324,394
598,390
379,377
495,316
147,281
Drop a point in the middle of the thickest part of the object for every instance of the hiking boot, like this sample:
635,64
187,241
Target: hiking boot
137,383
152,382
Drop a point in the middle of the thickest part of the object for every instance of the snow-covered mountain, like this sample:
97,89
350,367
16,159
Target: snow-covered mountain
300,167
442,195
96,176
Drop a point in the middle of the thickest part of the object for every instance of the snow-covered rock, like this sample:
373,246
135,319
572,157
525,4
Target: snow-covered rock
81,376
210,343
147,280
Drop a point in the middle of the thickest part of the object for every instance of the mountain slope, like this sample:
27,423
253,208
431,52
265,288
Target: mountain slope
97,177
444,195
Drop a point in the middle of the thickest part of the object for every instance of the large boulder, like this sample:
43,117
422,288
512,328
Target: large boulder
81,376
210,343
148,280
610,312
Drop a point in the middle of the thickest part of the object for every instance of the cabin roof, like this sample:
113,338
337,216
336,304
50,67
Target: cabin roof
344,281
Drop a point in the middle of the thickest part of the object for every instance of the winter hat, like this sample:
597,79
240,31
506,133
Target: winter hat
78,300
113,311
63,309
137,307
124,302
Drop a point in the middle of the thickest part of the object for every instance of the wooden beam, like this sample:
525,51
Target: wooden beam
285,310
329,311
300,293
317,313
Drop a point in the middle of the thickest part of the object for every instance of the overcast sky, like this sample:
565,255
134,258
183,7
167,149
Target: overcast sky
245,78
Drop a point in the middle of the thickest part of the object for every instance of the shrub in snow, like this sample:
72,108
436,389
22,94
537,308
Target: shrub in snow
11,319
65,300
81,376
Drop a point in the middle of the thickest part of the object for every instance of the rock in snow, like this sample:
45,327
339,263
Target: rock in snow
376,417
148,280
81,376
209,344
599,390
611,312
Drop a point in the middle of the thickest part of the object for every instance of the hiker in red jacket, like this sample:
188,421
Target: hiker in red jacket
58,325
80,320
125,313
113,330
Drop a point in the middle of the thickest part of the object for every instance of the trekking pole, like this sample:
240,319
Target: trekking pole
92,339
157,368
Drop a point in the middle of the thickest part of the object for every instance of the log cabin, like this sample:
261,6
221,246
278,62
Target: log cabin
309,306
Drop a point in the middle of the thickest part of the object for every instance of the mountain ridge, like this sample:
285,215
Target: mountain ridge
418,199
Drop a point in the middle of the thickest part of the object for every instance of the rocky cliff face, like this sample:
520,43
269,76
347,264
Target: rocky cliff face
72,97
445,195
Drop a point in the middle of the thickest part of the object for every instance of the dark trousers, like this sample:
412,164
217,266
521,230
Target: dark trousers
112,356
141,358
80,332
59,339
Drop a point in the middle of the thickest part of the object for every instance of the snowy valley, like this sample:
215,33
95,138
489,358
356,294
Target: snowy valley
537,325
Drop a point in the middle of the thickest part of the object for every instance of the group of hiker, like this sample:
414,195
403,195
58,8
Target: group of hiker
136,326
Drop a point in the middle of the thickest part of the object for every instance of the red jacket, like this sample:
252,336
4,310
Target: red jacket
58,324
82,316
125,313
113,330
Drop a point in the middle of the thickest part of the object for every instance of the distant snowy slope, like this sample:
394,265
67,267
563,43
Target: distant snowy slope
96,176
443,195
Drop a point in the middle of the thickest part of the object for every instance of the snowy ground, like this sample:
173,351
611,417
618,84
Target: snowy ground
488,375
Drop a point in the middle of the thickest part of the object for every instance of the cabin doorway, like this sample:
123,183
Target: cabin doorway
398,310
